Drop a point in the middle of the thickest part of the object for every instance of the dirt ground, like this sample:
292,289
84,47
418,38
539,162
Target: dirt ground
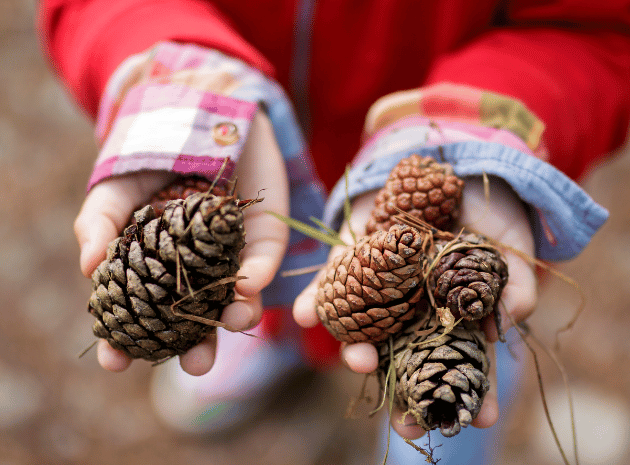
58,409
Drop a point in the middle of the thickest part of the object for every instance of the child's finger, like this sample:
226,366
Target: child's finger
199,360
261,173
267,239
110,358
243,313
521,292
304,312
104,213
360,357
405,425
489,413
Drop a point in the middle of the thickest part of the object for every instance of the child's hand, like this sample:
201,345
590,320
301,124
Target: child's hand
502,218
109,205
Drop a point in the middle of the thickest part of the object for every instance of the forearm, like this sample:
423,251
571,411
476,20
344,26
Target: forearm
87,41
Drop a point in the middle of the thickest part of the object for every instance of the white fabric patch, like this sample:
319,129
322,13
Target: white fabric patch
162,131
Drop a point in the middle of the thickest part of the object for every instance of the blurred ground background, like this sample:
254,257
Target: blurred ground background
57,409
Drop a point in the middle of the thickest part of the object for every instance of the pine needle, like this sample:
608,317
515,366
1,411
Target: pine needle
86,350
390,369
302,271
421,225
347,208
428,331
434,339
162,361
565,379
390,389
486,188
209,322
308,230
178,274
185,275
243,204
218,176
355,401
322,225
218,282
428,454
540,386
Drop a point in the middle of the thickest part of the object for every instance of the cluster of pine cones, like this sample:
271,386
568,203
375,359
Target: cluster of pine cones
412,280
169,276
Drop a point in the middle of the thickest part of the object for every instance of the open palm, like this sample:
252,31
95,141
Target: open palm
109,205
501,217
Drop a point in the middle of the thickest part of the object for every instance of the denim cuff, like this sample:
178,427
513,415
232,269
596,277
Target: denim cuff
563,216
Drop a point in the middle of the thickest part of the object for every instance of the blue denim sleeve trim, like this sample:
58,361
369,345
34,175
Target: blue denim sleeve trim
307,195
571,215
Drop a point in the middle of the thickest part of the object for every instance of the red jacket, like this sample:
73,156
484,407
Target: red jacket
567,60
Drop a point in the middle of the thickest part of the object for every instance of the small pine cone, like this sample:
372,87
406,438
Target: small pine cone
440,380
469,280
371,289
422,187
182,263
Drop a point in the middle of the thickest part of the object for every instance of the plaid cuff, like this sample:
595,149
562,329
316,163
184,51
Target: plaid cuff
175,107
174,128
406,132
457,103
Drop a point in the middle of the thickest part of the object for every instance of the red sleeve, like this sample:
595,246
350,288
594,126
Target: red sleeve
87,40
568,62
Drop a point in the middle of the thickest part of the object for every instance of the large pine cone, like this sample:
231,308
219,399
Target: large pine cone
469,280
166,267
371,289
442,380
422,187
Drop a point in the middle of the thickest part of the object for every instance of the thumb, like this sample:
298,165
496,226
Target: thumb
104,213
261,169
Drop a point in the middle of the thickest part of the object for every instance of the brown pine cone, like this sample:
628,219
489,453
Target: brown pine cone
440,380
181,188
371,289
167,276
422,187
469,280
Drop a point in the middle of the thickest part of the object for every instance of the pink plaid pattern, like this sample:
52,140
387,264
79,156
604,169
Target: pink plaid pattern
406,132
449,112
157,114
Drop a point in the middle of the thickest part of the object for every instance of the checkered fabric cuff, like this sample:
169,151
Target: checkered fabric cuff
174,128
176,107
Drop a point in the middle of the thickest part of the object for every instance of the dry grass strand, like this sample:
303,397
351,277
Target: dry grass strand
524,336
